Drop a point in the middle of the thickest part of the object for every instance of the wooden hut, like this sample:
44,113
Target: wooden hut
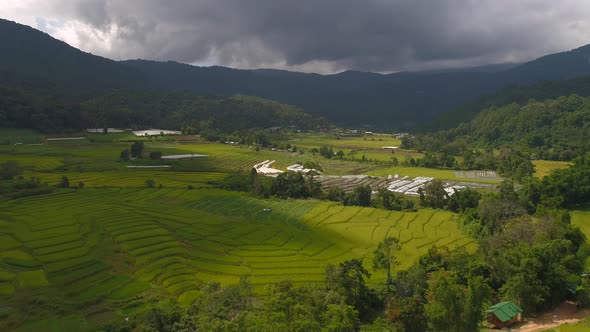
504,314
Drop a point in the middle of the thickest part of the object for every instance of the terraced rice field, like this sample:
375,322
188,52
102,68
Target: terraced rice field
41,163
132,178
120,245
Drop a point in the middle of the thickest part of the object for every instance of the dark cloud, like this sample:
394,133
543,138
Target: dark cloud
322,35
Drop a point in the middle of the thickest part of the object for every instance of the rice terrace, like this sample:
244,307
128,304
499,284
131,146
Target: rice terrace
116,243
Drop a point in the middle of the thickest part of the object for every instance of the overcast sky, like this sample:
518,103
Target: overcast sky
323,36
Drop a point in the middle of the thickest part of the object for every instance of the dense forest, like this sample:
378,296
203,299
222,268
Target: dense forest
557,129
139,109
519,94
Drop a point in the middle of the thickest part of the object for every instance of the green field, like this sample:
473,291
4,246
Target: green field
11,136
120,245
545,167
115,246
581,326
581,219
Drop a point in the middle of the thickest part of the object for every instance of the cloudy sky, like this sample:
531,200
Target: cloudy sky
323,36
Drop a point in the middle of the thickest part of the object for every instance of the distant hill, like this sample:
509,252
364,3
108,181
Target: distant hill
33,60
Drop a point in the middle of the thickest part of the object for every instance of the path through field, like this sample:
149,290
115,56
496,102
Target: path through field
566,313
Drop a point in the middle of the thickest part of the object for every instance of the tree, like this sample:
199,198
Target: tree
407,313
361,196
391,201
462,200
255,186
155,155
384,257
477,293
340,317
444,306
9,169
340,154
124,156
289,185
150,183
335,194
64,182
81,185
433,195
348,278
136,149
326,151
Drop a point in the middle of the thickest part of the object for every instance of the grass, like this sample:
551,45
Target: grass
581,219
32,279
11,136
581,326
545,167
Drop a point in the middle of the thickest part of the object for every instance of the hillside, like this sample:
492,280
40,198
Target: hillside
148,108
514,94
34,61
399,100
554,129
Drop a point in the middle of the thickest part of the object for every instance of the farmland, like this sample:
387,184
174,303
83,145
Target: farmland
115,246
545,167
122,245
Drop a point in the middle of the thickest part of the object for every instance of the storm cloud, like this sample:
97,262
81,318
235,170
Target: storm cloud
313,35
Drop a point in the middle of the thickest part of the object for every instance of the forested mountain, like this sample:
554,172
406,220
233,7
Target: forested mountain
36,62
401,100
555,129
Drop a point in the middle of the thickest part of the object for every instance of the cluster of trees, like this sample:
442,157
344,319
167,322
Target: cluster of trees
14,185
434,195
363,196
136,151
297,185
564,188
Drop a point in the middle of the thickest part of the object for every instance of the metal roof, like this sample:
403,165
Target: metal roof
505,311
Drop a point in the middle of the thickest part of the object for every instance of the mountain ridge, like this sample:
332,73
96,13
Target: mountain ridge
403,100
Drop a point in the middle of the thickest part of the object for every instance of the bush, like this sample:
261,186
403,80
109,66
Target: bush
155,155
124,156
9,169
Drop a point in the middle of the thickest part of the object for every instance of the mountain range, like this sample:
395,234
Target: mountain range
35,61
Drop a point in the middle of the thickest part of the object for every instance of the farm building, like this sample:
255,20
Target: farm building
504,314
